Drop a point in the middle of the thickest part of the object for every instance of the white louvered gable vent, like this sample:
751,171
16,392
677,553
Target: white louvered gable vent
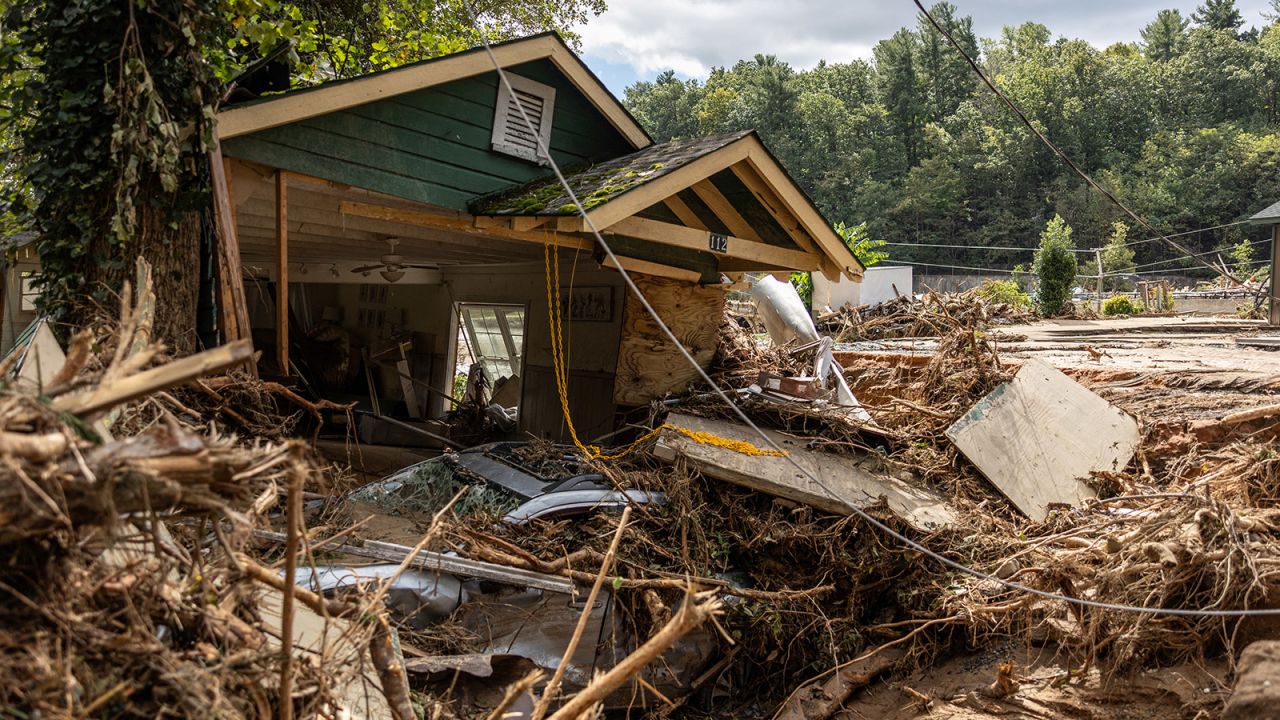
511,134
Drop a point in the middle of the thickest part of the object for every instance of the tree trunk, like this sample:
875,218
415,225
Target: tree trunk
171,243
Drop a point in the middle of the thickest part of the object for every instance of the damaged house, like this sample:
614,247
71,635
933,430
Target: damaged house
381,223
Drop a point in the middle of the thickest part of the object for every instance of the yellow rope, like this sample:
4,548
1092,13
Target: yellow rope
738,446
560,369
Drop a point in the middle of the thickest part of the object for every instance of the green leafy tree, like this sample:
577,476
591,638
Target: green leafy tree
345,38
1166,37
1055,266
946,77
1218,15
1242,257
1117,257
666,106
868,251
899,89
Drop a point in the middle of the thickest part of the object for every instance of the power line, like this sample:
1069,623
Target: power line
768,441
1168,271
1187,232
1056,150
963,267
1207,252
1077,250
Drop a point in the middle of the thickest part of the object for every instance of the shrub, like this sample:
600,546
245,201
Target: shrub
1005,291
1120,305
1055,265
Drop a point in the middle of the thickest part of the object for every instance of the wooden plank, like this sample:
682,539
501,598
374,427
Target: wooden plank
234,310
1273,315
852,482
728,214
298,106
458,222
282,272
685,213
303,160
649,366
773,204
1037,436
163,377
644,267
522,223
735,247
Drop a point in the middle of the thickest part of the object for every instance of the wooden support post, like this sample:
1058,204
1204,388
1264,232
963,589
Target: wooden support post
282,271
1273,317
1097,254
233,316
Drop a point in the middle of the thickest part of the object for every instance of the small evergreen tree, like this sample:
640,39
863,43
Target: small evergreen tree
1056,267
1117,257
1219,15
1166,37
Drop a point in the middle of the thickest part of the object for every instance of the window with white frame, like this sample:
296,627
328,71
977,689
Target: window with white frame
511,133
495,337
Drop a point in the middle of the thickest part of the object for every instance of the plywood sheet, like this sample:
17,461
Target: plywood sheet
649,364
852,483
1037,436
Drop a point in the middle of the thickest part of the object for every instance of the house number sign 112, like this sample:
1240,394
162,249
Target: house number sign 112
719,243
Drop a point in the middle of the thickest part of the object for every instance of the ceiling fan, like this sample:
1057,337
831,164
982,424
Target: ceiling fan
392,264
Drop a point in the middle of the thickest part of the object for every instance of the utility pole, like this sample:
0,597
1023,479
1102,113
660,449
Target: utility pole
1097,255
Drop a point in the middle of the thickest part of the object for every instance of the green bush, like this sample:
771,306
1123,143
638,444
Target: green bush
1006,292
1055,265
1120,305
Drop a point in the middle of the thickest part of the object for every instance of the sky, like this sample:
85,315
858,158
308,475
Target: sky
637,39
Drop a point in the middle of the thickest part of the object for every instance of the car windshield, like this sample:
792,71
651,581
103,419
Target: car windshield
424,489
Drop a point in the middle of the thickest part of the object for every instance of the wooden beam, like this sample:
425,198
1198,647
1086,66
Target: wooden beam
848,481
461,223
772,203
644,267
734,247
522,223
1273,316
831,244
233,313
282,272
728,214
685,213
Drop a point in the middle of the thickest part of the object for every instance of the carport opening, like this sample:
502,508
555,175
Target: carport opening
491,336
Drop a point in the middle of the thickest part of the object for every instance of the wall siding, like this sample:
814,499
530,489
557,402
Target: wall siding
432,145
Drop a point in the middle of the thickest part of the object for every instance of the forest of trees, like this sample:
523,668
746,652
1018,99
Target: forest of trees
1183,126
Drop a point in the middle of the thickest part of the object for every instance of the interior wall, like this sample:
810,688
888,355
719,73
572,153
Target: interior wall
592,346
426,312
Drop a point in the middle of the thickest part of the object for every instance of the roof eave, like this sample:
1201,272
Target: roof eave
306,103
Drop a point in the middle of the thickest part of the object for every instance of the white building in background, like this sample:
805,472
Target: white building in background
879,283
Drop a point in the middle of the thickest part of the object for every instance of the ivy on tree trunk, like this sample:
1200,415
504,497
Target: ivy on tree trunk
116,108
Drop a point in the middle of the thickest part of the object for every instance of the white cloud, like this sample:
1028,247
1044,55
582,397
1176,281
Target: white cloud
691,36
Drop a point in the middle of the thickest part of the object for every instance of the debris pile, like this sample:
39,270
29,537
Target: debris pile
700,570
934,314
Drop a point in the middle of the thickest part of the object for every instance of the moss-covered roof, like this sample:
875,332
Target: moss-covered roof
598,184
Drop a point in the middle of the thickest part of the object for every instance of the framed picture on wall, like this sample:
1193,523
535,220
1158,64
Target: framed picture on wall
587,304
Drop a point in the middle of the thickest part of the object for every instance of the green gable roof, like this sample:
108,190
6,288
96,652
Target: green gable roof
597,184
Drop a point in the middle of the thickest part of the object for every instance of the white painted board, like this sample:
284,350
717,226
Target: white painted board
1037,436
